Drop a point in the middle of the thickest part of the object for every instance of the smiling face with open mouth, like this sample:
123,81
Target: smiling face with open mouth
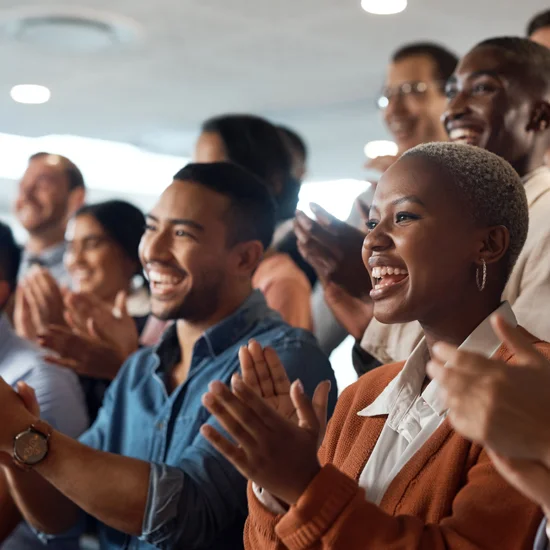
492,105
420,247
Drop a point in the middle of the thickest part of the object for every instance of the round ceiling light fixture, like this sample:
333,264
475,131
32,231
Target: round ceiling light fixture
380,148
67,30
31,94
384,7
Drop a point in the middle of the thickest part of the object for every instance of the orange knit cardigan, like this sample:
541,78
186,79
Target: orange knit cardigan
448,496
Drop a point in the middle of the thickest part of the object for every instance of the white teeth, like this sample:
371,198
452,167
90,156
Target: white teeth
462,134
380,272
163,279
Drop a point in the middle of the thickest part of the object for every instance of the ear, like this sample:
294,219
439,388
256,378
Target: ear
495,244
5,293
76,200
248,256
540,117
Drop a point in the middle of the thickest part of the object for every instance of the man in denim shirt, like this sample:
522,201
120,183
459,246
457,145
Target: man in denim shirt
159,483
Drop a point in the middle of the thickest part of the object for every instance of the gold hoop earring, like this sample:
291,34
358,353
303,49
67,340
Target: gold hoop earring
481,285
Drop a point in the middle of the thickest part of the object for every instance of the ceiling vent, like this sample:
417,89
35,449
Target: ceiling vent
68,30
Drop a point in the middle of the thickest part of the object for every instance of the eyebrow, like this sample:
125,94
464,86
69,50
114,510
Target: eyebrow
179,221
493,74
408,198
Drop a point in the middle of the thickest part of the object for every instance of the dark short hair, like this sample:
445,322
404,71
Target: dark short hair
540,21
257,145
444,60
122,222
71,170
295,141
251,216
10,256
533,58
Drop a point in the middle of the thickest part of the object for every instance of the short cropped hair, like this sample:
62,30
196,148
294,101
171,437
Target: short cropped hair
251,215
123,222
533,58
538,22
10,256
295,141
445,61
491,187
71,170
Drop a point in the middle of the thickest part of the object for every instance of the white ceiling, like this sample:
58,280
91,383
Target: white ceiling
313,64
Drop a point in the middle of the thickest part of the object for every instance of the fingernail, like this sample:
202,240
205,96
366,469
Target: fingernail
299,386
216,387
329,384
208,399
237,383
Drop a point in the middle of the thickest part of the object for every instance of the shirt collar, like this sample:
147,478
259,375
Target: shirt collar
49,257
220,337
536,183
407,385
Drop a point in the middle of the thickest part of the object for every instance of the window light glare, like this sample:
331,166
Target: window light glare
384,7
31,94
380,148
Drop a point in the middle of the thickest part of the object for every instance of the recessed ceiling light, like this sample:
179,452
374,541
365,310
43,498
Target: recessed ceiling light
380,148
33,94
384,7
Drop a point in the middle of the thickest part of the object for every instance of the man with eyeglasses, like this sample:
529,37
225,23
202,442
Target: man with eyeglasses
412,102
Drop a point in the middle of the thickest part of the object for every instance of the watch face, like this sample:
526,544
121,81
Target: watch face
30,447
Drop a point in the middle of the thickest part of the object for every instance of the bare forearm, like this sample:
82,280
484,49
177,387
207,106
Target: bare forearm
9,514
109,487
41,504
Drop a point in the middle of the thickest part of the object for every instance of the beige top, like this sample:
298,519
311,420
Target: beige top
286,289
528,289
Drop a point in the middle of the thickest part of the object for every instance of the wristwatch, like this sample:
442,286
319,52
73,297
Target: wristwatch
31,446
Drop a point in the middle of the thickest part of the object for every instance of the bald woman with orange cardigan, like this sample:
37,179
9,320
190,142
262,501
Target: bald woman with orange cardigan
446,226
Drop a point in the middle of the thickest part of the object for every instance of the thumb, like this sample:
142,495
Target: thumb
304,408
28,396
120,310
320,405
515,340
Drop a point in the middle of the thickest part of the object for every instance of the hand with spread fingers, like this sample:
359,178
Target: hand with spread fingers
39,302
266,416
333,248
503,407
84,354
113,327
262,437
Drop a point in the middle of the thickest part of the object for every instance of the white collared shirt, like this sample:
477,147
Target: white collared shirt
413,415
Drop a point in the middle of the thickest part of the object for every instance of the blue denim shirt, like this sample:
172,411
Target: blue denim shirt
196,498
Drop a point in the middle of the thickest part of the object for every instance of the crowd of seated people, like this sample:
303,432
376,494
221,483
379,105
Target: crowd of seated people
164,379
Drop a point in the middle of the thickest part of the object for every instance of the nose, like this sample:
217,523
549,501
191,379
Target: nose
74,255
395,107
376,240
457,107
155,247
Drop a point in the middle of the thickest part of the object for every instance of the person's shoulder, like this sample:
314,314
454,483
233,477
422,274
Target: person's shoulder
277,334
21,356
